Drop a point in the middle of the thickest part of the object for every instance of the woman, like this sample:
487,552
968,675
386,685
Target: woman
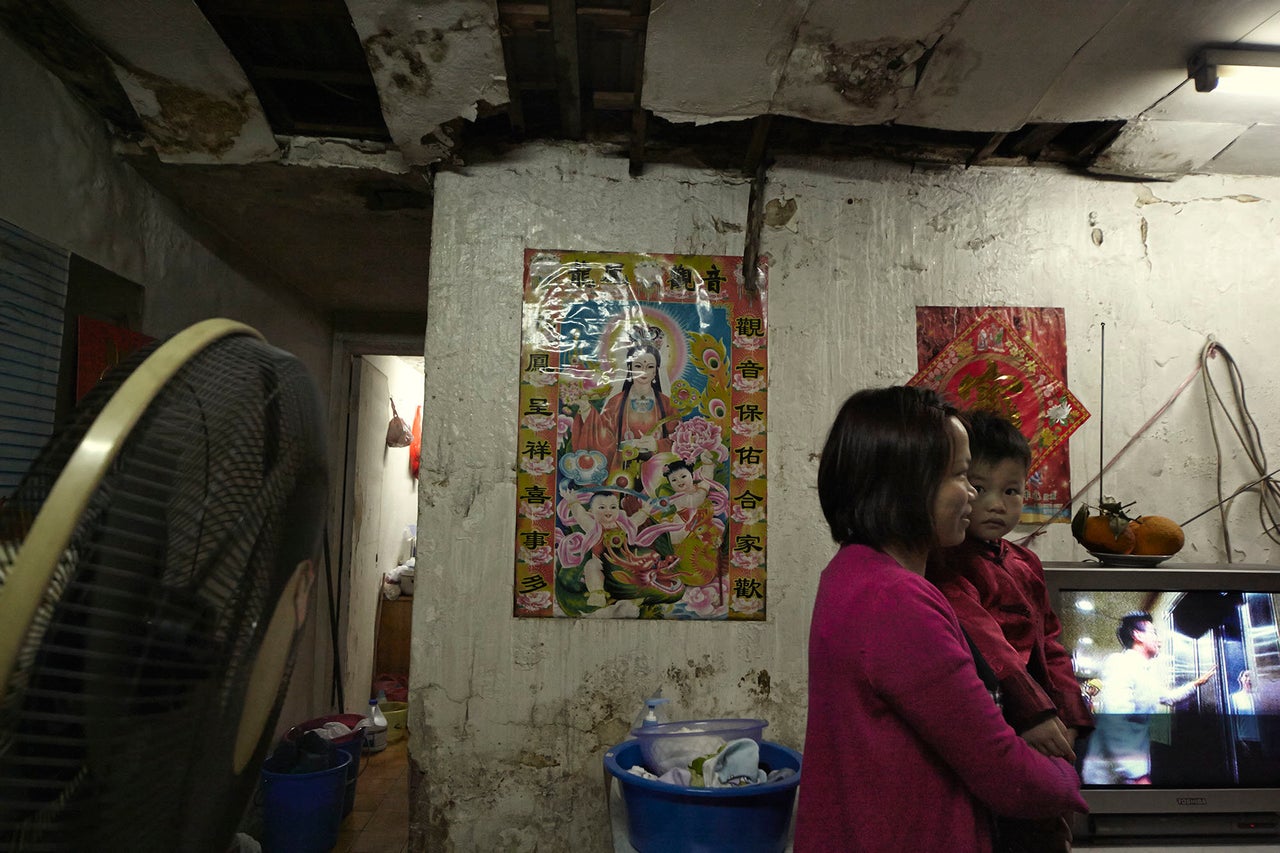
640,417
905,747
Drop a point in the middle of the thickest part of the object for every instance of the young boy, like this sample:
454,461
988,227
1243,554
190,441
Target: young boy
998,592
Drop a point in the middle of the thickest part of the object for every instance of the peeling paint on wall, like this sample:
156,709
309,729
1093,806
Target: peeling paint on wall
184,124
867,74
778,213
434,64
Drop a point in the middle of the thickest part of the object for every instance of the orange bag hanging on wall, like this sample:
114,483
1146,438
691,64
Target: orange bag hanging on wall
415,446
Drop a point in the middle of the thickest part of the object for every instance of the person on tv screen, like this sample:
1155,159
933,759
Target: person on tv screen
905,746
998,591
1248,736
1119,752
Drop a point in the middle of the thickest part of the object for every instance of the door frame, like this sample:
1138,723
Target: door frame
343,403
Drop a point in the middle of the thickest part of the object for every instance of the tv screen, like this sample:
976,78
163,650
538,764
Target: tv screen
1181,666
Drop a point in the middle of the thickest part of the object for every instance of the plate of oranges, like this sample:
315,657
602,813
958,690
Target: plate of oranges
1116,538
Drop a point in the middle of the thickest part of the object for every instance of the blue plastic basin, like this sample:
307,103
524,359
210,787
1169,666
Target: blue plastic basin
663,818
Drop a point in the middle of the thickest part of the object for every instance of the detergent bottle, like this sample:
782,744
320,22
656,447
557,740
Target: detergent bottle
653,712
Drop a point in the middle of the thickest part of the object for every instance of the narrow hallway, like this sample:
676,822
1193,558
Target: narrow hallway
379,820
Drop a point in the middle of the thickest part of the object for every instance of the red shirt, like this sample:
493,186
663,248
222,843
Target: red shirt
999,595
904,748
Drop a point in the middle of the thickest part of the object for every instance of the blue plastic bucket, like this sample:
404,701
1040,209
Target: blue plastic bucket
301,812
664,818
352,744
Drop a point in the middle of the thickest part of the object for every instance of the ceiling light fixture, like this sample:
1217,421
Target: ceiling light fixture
1237,70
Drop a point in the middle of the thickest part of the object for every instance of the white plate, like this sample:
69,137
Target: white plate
1130,560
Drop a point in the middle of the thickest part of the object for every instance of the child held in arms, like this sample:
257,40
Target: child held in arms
997,589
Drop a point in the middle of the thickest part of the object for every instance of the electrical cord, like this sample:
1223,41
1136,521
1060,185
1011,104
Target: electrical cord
1247,432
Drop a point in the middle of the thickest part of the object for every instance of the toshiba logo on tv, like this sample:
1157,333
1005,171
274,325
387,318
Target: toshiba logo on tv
1193,801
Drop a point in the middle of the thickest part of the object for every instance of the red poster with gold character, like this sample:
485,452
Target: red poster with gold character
641,488
1012,361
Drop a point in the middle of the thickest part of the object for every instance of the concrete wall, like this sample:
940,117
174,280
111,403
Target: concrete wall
510,718
60,180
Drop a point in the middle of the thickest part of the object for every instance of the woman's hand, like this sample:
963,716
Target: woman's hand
644,443
1051,738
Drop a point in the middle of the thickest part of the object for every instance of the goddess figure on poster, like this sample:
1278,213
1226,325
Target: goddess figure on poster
643,509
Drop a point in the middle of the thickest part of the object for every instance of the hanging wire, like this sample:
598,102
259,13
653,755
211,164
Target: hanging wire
1246,430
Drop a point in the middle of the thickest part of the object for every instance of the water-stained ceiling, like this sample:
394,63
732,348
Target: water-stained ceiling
302,134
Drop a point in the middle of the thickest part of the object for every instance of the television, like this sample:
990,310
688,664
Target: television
1184,750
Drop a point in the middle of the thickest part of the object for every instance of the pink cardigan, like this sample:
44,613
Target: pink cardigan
905,749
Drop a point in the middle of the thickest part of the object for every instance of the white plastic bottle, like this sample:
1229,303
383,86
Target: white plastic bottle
376,732
651,714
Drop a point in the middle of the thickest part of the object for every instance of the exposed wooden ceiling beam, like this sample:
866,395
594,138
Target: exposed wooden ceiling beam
287,9
986,149
639,115
1100,139
564,36
613,100
1036,138
759,144
515,103
341,130
312,75
538,15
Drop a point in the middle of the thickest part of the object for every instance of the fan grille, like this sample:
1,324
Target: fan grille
118,723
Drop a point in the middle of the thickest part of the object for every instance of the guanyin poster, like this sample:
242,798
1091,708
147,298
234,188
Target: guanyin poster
641,489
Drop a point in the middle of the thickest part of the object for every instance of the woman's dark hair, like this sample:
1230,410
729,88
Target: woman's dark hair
886,455
632,352
993,438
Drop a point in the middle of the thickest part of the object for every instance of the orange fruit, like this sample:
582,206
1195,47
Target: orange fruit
1098,535
1155,534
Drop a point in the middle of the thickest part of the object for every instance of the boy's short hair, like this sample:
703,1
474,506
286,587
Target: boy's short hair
1128,624
885,456
993,438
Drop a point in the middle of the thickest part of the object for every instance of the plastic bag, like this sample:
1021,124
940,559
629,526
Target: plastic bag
398,432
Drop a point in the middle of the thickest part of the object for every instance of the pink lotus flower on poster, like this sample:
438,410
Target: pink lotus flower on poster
749,386
540,376
748,470
747,341
698,435
755,515
705,600
536,511
536,557
537,466
747,559
537,423
572,393
742,604
751,427
533,602
564,423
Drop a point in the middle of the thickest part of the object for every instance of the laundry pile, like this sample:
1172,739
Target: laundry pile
734,765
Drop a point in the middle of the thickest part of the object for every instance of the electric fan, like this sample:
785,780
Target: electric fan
155,565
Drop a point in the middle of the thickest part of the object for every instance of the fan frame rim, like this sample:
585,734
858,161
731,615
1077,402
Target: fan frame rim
54,524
